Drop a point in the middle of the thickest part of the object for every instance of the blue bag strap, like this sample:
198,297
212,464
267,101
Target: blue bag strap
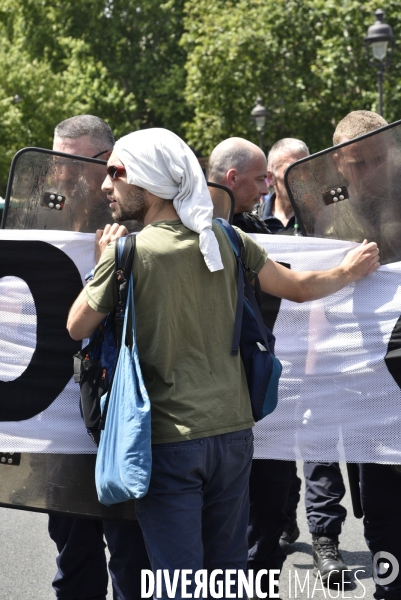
124,256
243,282
130,310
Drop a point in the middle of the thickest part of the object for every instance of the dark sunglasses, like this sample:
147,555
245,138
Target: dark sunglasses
114,171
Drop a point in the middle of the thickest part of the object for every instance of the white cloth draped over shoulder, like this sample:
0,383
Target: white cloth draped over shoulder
162,163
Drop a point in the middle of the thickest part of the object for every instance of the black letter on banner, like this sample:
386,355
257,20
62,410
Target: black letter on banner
271,306
393,356
54,282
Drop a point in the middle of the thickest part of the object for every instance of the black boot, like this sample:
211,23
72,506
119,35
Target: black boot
328,560
290,533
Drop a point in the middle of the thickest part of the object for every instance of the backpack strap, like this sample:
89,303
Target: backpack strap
237,246
124,258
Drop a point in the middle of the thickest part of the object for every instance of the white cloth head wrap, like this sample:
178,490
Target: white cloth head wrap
162,163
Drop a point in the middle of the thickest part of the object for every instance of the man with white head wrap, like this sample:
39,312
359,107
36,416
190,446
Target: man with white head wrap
82,565
195,513
161,163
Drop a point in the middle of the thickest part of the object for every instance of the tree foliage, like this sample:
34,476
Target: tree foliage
195,67
304,57
118,59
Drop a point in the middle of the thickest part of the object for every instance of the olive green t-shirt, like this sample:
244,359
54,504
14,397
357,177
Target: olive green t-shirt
184,324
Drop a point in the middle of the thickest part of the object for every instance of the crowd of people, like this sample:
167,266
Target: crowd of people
209,505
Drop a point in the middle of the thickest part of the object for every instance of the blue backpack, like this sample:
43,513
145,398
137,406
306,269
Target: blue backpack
253,338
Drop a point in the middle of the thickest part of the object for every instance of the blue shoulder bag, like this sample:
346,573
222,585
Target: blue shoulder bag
253,338
124,458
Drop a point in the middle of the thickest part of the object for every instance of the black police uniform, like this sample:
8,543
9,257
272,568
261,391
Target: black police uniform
271,512
324,485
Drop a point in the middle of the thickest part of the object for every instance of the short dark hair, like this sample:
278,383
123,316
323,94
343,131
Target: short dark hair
99,131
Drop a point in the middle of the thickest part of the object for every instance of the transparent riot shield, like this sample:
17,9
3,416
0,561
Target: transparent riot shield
56,191
53,190
352,191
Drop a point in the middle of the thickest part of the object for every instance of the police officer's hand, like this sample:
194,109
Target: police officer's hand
361,261
107,235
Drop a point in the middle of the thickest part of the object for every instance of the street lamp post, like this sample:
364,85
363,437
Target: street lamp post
258,115
379,37
12,99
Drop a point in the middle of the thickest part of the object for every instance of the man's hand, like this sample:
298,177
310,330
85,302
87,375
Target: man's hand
361,261
301,286
104,236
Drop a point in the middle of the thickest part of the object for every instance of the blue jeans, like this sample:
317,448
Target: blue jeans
195,514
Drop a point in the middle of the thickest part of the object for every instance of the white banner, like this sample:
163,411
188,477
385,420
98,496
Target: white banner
337,399
40,274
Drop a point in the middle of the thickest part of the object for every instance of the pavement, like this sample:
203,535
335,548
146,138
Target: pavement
27,558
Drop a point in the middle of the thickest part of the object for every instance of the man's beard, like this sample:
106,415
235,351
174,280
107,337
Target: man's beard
134,206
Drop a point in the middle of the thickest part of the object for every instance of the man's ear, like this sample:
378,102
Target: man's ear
232,178
271,177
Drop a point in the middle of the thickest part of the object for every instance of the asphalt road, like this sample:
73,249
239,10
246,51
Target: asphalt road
27,559
28,555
